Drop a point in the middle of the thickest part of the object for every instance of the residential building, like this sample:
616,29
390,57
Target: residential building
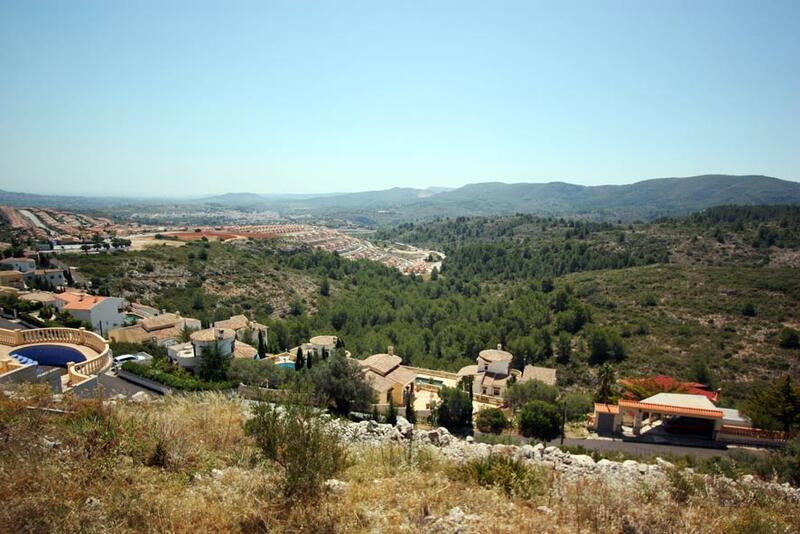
246,330
45,298
491,375
390,380
164,329
189,355
323,343
103,313
14,279
23,265
52,277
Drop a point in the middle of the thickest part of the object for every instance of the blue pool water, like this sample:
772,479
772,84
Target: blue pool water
288,365
54,355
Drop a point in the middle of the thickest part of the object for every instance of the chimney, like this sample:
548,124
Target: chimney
390,350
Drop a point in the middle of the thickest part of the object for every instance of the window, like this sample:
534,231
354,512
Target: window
497,392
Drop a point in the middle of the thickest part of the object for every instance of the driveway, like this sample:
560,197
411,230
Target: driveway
113,385
643,450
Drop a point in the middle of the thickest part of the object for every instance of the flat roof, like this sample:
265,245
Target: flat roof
683,400
667,409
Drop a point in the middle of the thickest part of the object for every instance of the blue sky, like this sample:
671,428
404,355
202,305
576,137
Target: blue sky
169,98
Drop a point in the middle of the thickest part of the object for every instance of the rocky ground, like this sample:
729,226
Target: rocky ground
570,466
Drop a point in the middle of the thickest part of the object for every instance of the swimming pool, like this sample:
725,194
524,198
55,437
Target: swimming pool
288,365
54,355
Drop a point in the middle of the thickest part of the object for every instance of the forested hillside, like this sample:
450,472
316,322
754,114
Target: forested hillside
709,294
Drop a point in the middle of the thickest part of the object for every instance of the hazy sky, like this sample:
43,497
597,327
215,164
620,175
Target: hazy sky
167,97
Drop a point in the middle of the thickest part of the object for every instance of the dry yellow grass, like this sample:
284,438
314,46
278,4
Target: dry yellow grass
104,476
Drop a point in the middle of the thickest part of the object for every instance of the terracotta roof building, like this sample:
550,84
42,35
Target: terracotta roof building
388,378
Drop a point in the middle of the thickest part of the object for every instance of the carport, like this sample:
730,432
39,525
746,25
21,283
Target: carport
683,414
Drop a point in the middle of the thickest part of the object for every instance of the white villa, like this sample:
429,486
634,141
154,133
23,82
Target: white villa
493,373
23,265
188,355
103,313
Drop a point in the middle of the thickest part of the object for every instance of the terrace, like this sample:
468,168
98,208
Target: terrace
83,354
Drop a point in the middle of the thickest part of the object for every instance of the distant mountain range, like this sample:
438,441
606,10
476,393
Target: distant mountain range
647,199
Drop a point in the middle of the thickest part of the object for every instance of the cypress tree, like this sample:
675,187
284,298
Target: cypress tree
299,362
262,347
391,415
411,416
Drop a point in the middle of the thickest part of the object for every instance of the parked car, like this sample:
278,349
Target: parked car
138,357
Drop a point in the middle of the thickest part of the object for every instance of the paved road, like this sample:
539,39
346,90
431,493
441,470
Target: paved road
113,385
643,449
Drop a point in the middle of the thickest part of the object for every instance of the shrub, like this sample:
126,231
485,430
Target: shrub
539,419
519,394
749,310
307,450
185,383
262,373
578,404
491,420
789,338
510,475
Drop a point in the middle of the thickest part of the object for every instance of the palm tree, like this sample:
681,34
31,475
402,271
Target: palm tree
606,379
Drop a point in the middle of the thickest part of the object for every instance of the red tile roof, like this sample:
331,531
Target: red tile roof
79,301
599,407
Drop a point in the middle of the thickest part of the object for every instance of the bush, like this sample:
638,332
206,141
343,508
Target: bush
454,411
262,373
510,475
539,419
789,338
185,383
749,310
578,404
491,420
519,394
307,450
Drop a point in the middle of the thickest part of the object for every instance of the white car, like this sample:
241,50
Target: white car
140,357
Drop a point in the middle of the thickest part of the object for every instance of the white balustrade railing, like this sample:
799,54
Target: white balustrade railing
78,372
